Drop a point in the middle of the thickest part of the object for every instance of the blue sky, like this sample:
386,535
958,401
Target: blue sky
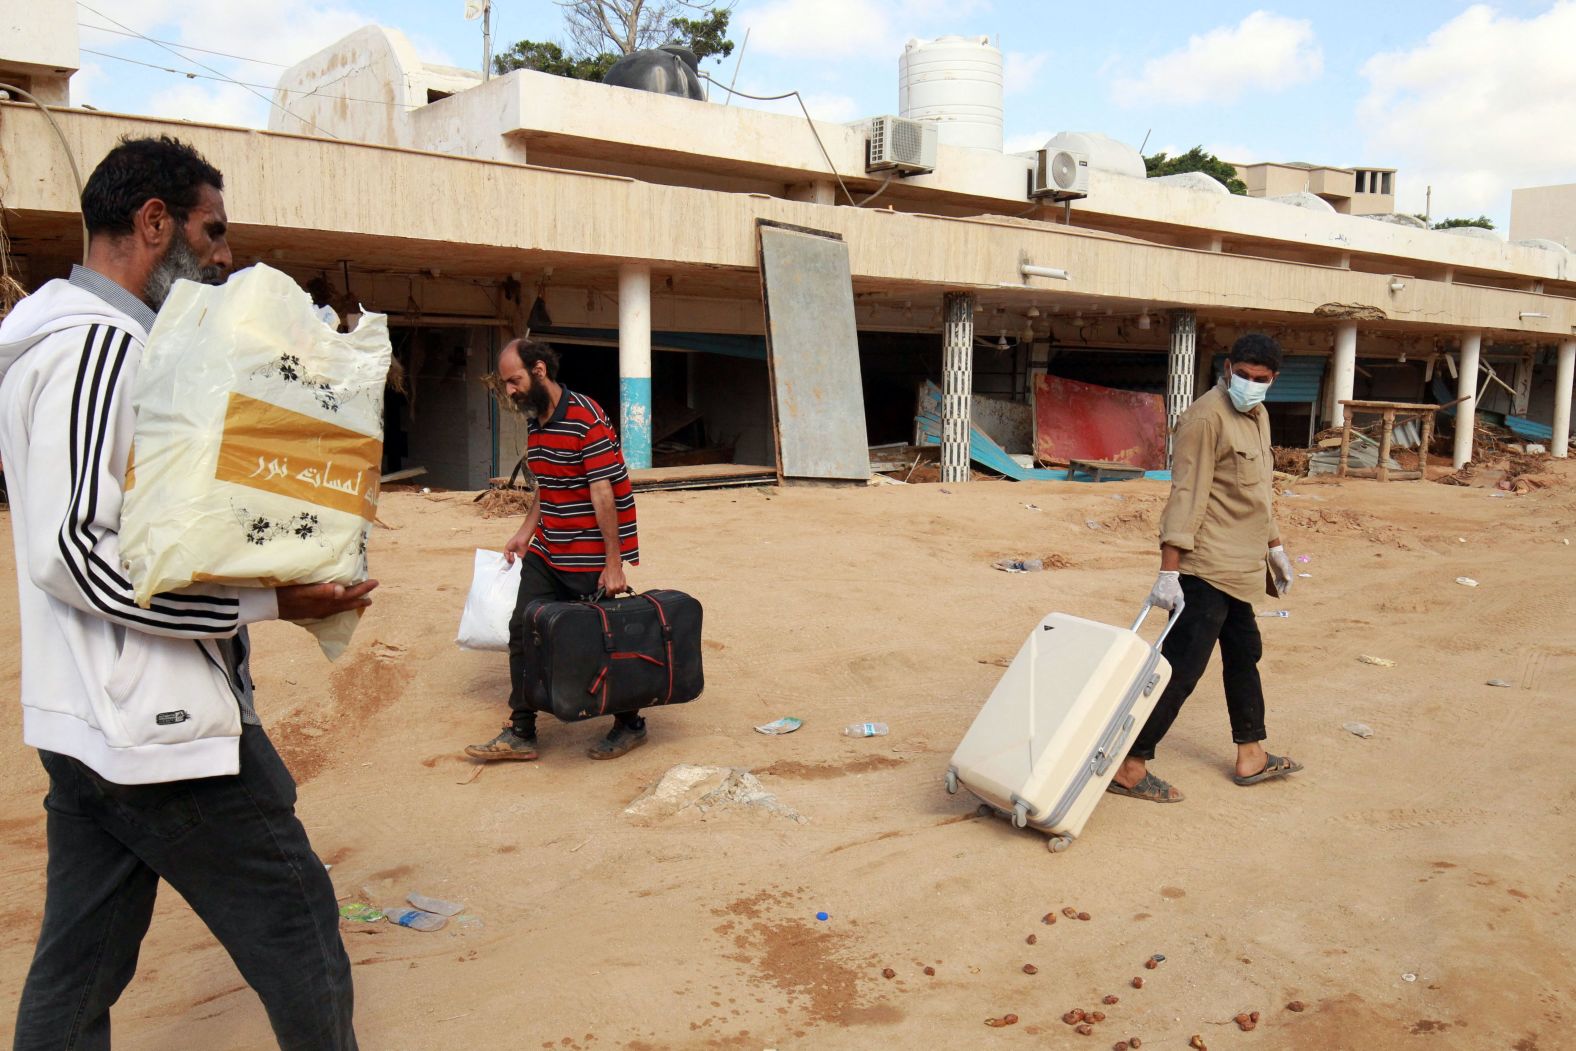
1473,99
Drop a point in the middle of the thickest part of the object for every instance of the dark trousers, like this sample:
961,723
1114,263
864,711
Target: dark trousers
1209,616
538,580
233,848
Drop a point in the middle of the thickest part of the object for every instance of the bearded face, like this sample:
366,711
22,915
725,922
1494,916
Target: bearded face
533,401
179,263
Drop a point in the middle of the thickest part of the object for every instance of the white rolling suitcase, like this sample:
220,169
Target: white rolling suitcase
1054,730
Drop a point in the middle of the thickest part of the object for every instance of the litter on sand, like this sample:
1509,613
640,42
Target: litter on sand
1467,582
1020,565
786,725
1304,559
1306,576
1276,613
1499,682
417,919
1378,662
436,906
361,912
1362,730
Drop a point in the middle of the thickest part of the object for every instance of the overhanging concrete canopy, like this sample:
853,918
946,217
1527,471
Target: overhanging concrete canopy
334,199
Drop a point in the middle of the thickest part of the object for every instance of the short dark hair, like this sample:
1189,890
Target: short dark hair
531,351
140,170
1256,349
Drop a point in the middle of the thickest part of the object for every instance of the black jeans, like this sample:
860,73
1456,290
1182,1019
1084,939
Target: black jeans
1209,616
538,580
233,848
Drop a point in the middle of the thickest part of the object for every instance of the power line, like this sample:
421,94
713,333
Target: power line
808,119
183,47
193,61
246,84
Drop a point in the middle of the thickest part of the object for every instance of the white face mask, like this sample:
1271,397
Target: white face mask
1245,394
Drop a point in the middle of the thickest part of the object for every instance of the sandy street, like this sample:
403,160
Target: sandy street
1440,848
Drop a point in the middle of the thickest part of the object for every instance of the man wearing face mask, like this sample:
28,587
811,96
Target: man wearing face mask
575,540
158,766
1217,537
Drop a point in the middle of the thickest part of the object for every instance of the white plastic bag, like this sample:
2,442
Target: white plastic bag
495,585
258,444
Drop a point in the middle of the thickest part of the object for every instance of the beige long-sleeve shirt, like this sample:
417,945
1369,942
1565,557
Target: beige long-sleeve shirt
1221,511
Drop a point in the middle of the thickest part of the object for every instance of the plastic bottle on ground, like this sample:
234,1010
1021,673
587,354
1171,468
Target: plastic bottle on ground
416,919
865,730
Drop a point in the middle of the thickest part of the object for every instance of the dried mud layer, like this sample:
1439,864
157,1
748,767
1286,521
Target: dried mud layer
1411,890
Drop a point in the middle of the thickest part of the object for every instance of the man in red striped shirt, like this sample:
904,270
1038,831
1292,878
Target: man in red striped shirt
576,538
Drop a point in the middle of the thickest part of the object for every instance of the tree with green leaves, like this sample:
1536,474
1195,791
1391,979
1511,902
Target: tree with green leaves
1195,160
548,57
1482,222
603,31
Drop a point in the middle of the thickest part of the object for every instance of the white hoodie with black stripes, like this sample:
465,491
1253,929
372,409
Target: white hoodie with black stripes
140,695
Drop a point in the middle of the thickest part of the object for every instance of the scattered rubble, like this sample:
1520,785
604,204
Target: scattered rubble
691,790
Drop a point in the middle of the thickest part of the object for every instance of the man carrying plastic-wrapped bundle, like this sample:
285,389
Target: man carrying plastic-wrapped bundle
143,718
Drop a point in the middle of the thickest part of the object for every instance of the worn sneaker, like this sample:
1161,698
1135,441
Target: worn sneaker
619,741
507,745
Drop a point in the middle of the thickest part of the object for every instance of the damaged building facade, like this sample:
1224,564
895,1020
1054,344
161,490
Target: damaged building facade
623,226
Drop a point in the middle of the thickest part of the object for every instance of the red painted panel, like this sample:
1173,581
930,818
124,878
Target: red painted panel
1080,421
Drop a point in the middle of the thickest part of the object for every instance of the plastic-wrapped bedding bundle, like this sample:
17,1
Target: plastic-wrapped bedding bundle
258,444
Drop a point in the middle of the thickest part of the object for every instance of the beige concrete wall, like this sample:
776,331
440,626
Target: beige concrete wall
1331,182
1544,212
424,210
39,37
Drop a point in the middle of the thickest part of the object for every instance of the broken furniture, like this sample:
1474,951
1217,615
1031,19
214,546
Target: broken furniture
1388,410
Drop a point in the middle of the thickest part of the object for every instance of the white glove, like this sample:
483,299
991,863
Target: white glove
1280,569
1167,592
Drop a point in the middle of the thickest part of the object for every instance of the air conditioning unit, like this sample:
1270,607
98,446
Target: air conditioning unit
1061,175
901,145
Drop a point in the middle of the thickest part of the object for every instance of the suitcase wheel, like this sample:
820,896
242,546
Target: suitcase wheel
1020,816
985,810
1057,844
952,782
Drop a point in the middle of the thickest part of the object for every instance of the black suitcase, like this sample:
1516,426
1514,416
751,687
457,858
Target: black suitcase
613,655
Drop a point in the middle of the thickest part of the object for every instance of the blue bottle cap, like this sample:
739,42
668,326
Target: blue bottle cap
822,916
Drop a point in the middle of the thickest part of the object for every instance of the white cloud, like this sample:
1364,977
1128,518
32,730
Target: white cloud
1020,71
800,28
1486,103
1263,52
283,31
204,102
1026,142
88,84
1237,153
869,30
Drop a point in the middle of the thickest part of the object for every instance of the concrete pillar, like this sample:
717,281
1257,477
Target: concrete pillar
957,371
634,364
1466,387
1564,373
1343,370
1180,365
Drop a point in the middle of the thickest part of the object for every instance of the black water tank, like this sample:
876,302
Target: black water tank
667,70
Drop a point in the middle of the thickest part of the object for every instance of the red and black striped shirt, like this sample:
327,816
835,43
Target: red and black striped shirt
573,449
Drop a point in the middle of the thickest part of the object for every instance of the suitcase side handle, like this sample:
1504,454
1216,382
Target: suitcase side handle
1171,621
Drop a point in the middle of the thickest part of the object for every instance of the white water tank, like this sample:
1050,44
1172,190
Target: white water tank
955,82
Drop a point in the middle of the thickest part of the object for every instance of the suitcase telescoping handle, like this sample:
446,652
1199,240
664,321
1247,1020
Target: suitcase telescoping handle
1171,621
